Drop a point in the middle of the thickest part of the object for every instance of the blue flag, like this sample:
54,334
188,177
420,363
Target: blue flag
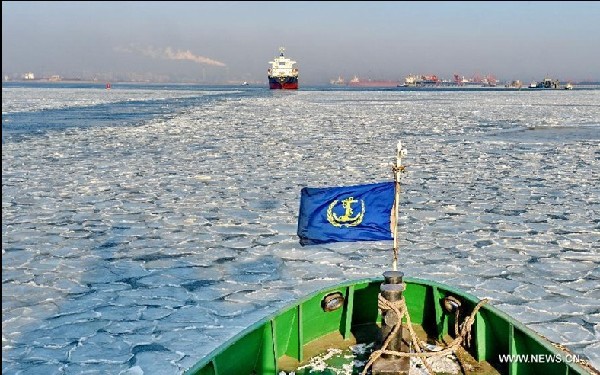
346,214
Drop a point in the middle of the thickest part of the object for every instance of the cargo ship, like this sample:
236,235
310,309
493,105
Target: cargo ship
432,80
339,81
358,82
547,83
420,81
282,74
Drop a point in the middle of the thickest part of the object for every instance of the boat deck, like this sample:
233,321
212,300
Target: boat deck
332,354
312,334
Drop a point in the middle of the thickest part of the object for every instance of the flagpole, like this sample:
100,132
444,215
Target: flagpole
398,168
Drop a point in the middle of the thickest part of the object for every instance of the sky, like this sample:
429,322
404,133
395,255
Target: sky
229,41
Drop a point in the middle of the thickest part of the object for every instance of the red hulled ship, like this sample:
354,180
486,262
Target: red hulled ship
282,74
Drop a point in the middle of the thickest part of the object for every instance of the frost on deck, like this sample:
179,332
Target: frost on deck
352,361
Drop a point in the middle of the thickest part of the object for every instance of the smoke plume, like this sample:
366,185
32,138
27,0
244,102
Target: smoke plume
170,54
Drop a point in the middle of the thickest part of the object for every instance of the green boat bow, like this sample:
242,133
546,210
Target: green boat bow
338,317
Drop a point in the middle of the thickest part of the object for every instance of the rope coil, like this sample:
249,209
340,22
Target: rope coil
401,311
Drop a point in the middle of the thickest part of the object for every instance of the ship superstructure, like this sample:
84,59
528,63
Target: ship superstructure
282,74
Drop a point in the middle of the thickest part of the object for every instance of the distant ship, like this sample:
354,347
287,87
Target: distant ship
547,83
432,80
282,74
514,84
420,81
338,81
358,82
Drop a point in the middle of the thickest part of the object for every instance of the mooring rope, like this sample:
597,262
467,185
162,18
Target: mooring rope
401,311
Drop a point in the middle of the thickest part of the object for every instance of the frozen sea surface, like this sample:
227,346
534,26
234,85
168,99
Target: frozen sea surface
137,245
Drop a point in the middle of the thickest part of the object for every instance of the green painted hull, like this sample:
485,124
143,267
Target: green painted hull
289,336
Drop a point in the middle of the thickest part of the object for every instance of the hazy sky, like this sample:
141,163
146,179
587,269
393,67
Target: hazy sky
236,40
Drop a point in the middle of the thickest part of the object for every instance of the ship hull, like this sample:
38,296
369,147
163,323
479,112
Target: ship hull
283,83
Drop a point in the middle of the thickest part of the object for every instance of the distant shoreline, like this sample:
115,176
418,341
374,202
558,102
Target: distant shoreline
49,81
316,87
